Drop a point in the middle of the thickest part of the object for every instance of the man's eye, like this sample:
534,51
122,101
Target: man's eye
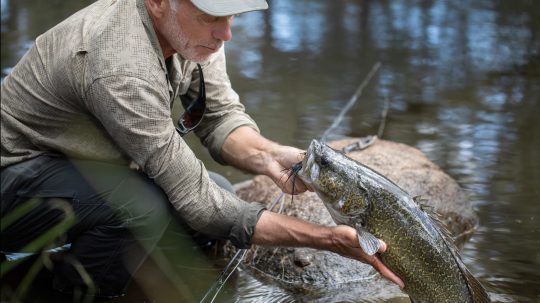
209,19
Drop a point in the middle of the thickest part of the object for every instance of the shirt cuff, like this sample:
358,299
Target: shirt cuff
243,229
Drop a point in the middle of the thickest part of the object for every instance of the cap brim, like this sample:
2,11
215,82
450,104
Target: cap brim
229,7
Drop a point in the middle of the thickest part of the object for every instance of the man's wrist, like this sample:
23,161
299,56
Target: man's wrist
281,230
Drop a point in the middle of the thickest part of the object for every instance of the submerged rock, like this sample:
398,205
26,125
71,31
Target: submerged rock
319,273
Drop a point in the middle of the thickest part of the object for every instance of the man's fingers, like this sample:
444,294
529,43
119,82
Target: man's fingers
299,187
386,272
382,246
285,182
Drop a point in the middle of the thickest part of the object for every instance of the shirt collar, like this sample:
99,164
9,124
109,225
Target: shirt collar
173,69
148,25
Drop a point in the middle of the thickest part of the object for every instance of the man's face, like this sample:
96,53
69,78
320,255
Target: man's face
194,34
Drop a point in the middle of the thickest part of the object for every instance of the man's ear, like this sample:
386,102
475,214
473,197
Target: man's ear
157,8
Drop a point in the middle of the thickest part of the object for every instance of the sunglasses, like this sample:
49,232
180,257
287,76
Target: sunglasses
194,113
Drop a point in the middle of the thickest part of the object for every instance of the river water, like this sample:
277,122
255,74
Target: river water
462,80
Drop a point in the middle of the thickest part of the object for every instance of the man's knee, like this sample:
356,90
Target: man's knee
142,205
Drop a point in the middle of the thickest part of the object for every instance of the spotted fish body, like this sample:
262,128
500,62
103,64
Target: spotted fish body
419,251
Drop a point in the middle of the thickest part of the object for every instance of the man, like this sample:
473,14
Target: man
95,93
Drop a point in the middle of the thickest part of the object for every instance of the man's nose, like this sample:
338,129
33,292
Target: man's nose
222,31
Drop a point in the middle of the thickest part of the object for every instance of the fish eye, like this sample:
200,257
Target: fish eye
324,161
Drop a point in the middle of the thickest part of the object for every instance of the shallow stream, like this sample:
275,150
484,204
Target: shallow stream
462,80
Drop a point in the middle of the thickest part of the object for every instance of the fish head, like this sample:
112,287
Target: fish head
327,172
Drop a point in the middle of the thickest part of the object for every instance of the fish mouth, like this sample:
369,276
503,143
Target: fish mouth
310,168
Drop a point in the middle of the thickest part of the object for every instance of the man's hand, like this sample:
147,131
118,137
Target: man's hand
283,159
279,230
247,150
346,244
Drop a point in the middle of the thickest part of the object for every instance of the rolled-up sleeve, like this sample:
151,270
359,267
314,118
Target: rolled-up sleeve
224,111
136,115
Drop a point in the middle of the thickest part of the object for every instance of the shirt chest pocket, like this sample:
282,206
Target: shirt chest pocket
179,90
184,85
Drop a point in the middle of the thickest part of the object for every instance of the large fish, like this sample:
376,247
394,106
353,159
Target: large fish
419,250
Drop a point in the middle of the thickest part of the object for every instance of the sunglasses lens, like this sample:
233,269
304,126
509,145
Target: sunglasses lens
190,120
195,111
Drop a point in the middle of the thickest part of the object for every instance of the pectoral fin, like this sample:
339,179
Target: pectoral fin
368,242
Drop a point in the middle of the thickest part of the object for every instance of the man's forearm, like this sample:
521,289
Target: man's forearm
279,230
247,150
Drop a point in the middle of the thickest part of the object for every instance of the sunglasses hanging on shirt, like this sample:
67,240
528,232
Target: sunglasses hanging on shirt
194,113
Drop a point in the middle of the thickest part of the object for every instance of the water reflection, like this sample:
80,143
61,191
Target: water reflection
462,78
293,34
453,74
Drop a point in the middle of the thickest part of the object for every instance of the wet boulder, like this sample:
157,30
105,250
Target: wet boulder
320,272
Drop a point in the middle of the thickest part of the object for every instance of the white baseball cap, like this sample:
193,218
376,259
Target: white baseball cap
229,7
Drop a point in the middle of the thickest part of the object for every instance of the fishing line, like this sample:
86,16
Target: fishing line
225,275
230,268
384,114
351,102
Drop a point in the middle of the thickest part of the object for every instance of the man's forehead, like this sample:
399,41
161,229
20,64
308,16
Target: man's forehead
229,7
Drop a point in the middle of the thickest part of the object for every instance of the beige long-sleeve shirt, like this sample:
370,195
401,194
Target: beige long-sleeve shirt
97,86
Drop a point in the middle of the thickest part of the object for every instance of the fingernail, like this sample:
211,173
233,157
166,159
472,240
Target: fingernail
382,246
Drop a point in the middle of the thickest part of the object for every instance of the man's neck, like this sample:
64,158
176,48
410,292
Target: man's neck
166,48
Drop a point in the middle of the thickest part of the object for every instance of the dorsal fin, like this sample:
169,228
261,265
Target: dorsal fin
435,217
422,202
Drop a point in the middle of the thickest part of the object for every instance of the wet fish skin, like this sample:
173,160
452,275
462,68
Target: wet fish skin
419,251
